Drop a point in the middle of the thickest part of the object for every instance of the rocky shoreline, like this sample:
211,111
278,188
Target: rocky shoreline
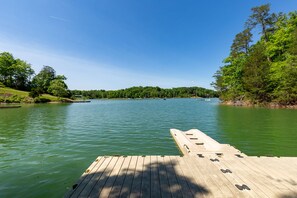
271,105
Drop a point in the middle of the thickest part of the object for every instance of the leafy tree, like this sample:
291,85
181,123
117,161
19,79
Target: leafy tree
256,74
241,43
58,88
148,92
293,46
261,16
266,71
44,78
286,91
15,73
232,77
218,83
35,92
21,75
61,77
6,69
282,38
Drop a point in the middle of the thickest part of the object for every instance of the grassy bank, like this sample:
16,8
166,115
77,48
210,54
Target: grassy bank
9,95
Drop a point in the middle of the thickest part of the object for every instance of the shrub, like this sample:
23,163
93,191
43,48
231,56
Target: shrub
35,92
41,100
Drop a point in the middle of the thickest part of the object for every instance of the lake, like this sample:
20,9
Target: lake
45,148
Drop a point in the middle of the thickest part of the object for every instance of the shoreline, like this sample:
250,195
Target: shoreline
69,101
270,105
65,101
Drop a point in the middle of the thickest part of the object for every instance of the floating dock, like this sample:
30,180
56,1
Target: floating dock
80,101
206,169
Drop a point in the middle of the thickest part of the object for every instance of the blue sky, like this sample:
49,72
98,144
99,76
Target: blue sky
113,44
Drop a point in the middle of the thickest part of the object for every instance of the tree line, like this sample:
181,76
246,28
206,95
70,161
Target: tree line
147,92
18,74
264,71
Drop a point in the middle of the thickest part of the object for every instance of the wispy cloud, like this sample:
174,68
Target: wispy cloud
59,18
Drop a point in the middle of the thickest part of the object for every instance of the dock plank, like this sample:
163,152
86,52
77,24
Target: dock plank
244,177
116,189
155,180
94,177
271,176
202,178
164,184
218,177
137,181
126,188
260,179
104,176
146,177
197,188
235,180
185,189
209,169
84,179
276,174
112,178
174,186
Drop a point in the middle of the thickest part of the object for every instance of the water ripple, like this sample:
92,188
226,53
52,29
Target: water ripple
49,146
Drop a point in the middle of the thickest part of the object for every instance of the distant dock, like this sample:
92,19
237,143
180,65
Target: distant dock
206,169
80,101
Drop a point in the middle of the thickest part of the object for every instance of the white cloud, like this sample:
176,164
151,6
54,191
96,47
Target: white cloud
59,18
86,74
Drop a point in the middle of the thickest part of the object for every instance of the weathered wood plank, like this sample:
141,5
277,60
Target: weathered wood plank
243,176
155,180
87,176
271,176
146,177
202,178
111,178
116,189
233,178
126,188
104,176
181,178
211,176
259,177
284,166
84,179
94,177
165,191
174,186
195,184
219,178
136,184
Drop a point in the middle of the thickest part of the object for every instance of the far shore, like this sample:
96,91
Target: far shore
89,100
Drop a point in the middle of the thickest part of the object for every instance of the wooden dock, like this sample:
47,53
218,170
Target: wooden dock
206,169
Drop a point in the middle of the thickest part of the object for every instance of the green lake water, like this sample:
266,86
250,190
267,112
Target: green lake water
45,148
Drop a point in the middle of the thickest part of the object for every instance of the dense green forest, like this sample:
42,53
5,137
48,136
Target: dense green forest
18,74
148,92
263,71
